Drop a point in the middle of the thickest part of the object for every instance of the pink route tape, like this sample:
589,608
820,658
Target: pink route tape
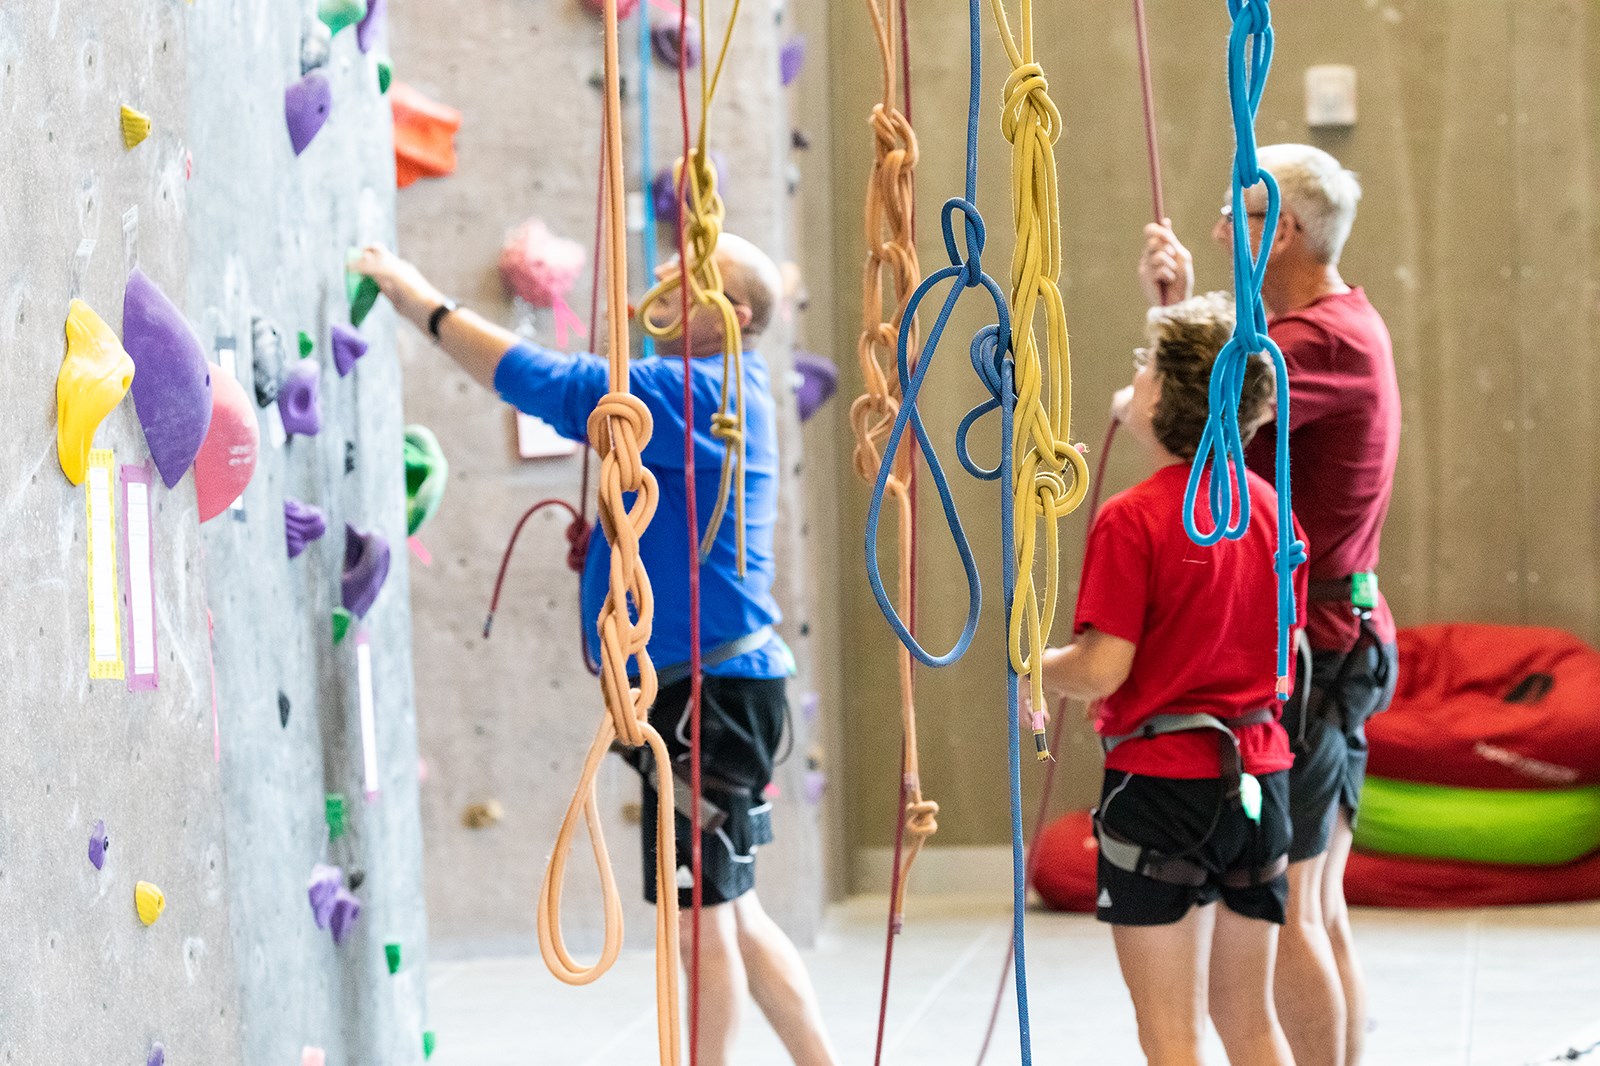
139,567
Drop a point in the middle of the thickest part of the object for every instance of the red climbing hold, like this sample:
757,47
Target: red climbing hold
424,135
227,459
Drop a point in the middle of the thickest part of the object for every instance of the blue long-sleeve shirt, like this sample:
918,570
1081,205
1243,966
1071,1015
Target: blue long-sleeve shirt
563,389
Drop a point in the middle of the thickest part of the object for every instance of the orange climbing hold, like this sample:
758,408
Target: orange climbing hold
424,135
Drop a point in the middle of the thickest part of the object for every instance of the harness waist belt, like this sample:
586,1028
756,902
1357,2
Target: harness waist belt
1232,764
1360,590
671,675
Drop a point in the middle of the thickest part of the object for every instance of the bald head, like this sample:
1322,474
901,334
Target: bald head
751,278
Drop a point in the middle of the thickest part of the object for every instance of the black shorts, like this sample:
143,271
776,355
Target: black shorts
1191,818
741,726
1330,741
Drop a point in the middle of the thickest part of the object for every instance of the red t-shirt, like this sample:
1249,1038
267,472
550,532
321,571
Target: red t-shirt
1204,620
1344,438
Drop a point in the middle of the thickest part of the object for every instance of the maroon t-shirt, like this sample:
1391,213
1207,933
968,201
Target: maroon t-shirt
1204,622
1344,438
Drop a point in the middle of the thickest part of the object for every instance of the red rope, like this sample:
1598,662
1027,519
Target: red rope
696,856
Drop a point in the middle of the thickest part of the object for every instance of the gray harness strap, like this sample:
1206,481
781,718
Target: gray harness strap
671,675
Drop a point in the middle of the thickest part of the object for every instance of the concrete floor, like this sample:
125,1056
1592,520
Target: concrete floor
1469,988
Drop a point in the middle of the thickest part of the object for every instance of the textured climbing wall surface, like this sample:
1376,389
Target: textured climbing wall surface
1478,239
508,719
268,234
235,971
81,979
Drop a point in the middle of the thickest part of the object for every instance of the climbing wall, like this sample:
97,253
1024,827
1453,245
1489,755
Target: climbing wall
507,720
211,784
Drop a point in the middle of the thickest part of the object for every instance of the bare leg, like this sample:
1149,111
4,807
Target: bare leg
1165,968
1309,998
1242,952
1336,916
722,979
780,984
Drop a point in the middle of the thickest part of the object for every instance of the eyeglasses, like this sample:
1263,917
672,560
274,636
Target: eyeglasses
1227,212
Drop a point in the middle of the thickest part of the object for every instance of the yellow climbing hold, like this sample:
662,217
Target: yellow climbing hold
94,377
135,126
150,901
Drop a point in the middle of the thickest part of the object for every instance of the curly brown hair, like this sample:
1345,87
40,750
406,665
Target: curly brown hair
1185,339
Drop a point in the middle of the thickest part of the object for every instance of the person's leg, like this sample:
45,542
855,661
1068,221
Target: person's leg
1242,951
780,985
1307,990
1336,918
1165,968
722,979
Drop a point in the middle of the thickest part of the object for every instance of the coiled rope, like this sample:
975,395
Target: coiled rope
990,357
891,260
1051,477
619,428
1221,453
702,223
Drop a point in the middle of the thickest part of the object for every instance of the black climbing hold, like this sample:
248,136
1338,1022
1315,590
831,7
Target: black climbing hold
349,457
267,345
357,878
799,139
283,709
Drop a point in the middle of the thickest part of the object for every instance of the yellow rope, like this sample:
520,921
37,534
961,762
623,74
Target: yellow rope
1051,475
892,250
702,221
619,429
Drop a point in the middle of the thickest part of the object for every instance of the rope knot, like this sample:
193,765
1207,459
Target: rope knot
987,353
726,428
1291,556
922,818
1028,90
620,426
578,532
972,263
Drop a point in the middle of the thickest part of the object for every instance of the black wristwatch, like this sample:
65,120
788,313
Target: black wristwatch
438,315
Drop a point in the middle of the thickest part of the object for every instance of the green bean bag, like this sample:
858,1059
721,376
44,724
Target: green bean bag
1517,827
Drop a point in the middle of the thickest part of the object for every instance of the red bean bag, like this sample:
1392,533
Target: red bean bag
1063,863
1375,880
1498,707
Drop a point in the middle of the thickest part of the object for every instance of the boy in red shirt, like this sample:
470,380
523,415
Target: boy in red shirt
1177,644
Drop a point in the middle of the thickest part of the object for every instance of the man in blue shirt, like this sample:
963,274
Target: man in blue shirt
744,708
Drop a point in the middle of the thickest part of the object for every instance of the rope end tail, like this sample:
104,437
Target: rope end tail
1283,687
488,624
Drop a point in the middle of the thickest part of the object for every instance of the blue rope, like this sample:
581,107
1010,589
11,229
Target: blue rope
990,354
1220,456
647,343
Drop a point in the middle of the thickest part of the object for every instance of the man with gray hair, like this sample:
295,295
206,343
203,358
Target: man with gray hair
1344,431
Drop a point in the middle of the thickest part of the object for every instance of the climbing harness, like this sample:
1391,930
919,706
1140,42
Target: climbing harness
892,255
697,271
990,354
1051,477
1221,452
619,428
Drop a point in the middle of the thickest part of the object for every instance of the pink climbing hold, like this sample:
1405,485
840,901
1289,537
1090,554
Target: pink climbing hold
348,346
306,104
227,459
542,269
367,29
302,524
326,881
313,1056
299,405
172,384
366,565
342,919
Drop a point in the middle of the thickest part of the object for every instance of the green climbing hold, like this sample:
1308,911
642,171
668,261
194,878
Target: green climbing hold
363,293
341,623
391,954
385,75
333,810
428,1043
426,473
307,345
337,14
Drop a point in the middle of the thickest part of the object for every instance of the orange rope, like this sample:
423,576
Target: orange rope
619,428
892,252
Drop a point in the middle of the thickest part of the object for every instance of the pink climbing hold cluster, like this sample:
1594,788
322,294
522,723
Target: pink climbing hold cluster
542,268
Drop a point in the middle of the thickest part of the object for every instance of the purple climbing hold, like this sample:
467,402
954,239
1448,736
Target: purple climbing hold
366,565
819,380
661,191
814,785
298,403
306,104
810,705
367,29
172,386
664,42
348,346
158,1056
302,524
792,58
326,883
98,843
342,919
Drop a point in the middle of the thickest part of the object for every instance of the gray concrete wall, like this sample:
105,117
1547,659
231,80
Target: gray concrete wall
235,971
509,718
